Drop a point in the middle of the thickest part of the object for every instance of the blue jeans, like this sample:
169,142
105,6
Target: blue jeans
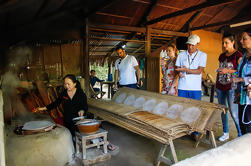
129,86
227,98
192,94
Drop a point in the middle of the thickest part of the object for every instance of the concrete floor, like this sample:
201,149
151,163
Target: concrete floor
136,150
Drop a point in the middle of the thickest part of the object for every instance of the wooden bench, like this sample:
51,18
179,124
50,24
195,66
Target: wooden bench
160,117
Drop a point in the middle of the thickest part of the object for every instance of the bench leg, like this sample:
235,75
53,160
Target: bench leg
212,139
198,141
161,156
173,153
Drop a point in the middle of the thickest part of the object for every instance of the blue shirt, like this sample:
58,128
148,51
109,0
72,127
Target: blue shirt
94,80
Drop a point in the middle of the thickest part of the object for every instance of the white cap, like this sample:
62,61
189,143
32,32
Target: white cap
193,39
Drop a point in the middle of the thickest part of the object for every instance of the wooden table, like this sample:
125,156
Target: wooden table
110,85
94,156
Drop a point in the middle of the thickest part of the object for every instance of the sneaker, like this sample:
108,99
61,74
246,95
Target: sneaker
224,137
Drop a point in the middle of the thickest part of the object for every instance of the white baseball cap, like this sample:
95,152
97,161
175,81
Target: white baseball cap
193,39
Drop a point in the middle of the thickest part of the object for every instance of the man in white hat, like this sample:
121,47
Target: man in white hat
190,64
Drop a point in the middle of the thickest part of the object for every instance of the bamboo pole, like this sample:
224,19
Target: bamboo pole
2,140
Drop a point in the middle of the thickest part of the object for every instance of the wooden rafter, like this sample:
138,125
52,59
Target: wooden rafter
191,9
136,29
143,20
232,21
41,8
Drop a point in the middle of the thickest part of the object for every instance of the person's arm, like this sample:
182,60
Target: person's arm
138,75
99,80
116,77
190,71
226,70
84,105
54,104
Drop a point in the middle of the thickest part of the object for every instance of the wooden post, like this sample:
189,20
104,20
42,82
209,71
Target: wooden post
2,141
43,65
85,66
61,60
147,55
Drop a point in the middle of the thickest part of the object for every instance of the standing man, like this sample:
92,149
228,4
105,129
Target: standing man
190,64
125,68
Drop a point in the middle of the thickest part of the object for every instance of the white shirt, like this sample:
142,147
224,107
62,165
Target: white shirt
126,70
194,61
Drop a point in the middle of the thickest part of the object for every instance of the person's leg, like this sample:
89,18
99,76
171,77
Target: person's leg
222,98
195,95
182,93
242,126
96,89
233,109
248,118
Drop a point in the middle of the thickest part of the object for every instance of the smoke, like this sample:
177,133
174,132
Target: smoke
18,58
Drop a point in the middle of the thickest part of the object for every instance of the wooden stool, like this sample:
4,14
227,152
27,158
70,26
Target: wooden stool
96,155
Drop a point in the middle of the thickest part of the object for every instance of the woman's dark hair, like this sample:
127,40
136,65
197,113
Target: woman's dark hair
229,36
248,31
74,80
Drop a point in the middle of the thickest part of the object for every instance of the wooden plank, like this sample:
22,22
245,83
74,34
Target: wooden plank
95,26
171,33
147,55
86,57
212,138
2,134
113,39
232,21
117,27
190,9
173,153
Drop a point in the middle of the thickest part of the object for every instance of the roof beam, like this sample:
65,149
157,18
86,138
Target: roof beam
232,21
136,29
191,9
41,8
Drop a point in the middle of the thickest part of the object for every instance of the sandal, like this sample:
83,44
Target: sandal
111,147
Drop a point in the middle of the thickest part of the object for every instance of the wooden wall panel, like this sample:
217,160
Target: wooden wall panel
211,44
52,61
153,74
71,58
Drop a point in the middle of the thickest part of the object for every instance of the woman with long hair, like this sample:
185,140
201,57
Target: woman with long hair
244,77
169,80
228,63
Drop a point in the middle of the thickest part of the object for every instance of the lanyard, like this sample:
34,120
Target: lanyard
188,56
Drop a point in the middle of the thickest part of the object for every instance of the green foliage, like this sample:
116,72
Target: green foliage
101,71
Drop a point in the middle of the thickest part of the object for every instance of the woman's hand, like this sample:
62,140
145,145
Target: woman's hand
223,71
238,79
181,75
40,109
81,113
183,69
